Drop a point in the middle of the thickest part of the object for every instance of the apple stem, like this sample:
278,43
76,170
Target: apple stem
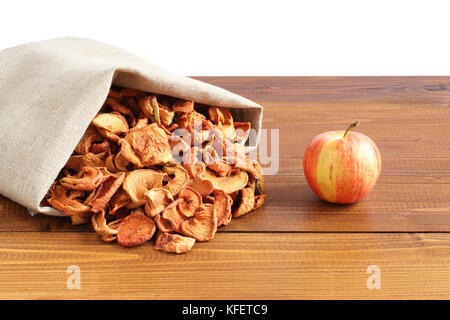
353,125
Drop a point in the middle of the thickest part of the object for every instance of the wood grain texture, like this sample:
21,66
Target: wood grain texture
233,266
295,246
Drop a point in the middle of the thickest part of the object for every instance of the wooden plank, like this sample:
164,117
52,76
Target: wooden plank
244,266
409,119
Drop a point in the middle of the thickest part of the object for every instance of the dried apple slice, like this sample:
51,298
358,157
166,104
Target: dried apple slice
120,162
166,115
100,226
119,200
138,182
242,130
92,160
60,200
228,184
170,219
113,122
172,242
203,225
88,179
247,203
259,200
191,201
74,162
100,147
150,108
157,200
106,190
135,230
183,106
147,146
125,111
89,137
222,203
179,181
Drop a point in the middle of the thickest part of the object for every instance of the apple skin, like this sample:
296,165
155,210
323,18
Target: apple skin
342,169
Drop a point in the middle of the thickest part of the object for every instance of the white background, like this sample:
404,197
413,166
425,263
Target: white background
251,37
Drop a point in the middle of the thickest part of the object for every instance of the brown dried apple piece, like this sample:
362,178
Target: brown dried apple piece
191,201
111,125
203,225
259,200
147,146
179,181
61,201
135,230
172,242
242,130
87,179
101,147
170,219
89,137
74,162
183,106
229,184
150,108
166,115
222,203
138,182
106,190
247,203
120,108
100,226
157,200
92,160
221,168
224,121
119,200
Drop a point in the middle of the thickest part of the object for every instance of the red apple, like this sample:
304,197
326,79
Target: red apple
342,166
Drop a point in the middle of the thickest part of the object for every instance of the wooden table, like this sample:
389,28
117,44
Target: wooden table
296,246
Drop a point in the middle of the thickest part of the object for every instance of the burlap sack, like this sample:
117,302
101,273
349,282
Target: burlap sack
51,90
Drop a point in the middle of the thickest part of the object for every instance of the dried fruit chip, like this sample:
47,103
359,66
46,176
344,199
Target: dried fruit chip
150,108
90,136
116,106
135,230
170,242
119,200
247,203
92,160
259,200
157,200
171,218
179,181
191,201
147,146
203,225
107,233
106,190
222,203
138,182
104,146
166,115
60,200
88,179
183,106
242,130
229,184
110,125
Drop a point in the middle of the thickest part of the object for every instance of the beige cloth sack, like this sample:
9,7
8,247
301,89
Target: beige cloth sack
51,90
